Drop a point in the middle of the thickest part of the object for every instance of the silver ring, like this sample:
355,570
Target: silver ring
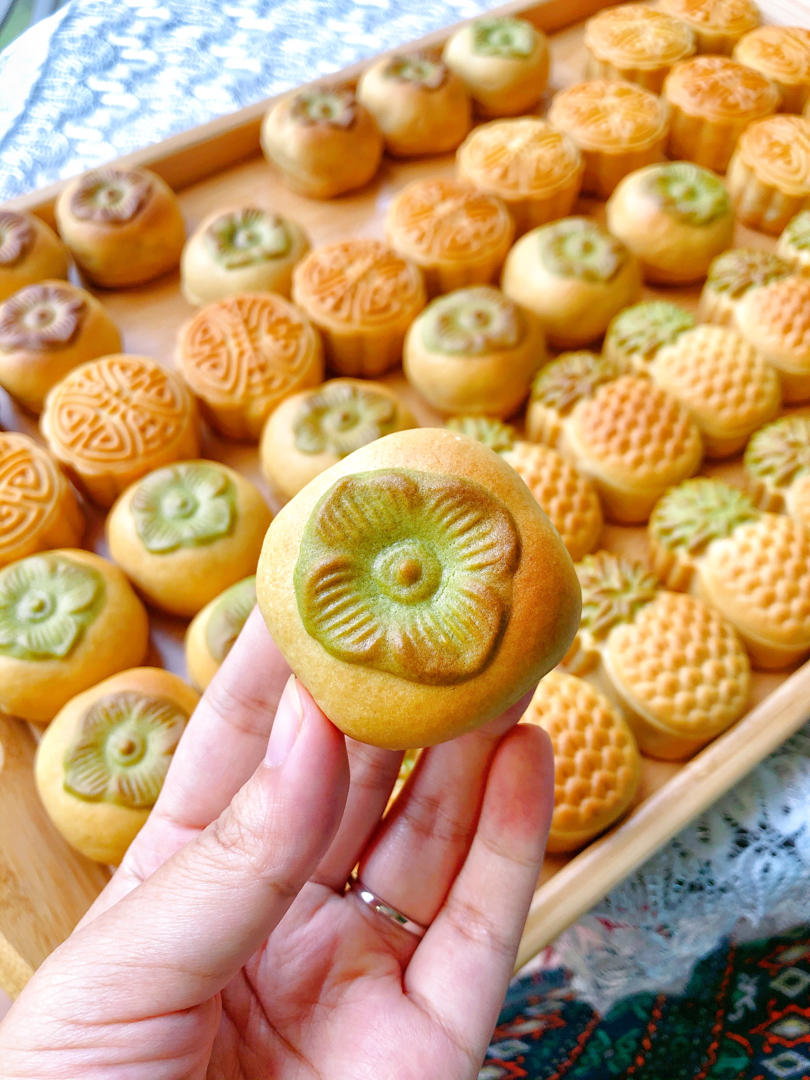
382,907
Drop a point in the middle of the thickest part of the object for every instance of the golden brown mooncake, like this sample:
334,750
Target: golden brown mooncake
636,43
186,531
68,618
213,630
777,466
243,355
314,429
731,275
630,438
46,330
775,319
455,234
565,495
728,388
794,243
38,509
637,333
575,276
597,767
502,61
123,226
417,589
101,763
419,104
362,296
474,351
769,173
675,217
718,24
247,249
781,54
323,141
30,251
534,168
712,99
618,127
674,665
753,567
113,420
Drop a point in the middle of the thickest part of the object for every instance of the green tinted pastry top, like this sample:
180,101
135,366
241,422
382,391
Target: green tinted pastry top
613,590
337,108
16,237
417,69
698,511
577,247
641,330
688,192
409,573
185,505
110,196
41,317
780,451
475,321
228,616
123,748
572,377
493,433
736,271
796,233
46,604
247,237
512,39
341,417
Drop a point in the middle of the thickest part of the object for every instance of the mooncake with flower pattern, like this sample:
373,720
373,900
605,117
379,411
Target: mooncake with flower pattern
732,274
769,173
775,319
781,54
637,43
777,466
213,630
30,251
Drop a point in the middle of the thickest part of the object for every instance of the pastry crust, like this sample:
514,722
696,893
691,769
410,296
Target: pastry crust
781,54
717,24
102,760
323,142
514,617
113,420
123,226
244,355
769,174
636,43
775,319
46,330
30,251
732,275
213,630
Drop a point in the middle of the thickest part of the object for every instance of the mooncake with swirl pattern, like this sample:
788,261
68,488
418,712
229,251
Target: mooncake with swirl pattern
637,43
769,173
717,24
781,54
30,251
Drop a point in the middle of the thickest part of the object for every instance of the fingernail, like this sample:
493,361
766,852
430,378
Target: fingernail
286,725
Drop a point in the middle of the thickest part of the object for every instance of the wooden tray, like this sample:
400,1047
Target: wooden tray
44,886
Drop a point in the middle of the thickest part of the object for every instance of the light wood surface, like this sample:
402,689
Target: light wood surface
44,887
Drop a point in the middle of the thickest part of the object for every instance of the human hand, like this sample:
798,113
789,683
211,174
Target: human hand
226,946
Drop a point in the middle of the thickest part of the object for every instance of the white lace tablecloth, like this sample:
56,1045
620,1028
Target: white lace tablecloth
104,77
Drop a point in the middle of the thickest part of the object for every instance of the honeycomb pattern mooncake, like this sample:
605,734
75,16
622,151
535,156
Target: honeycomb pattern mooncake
776,321
597,767
732,274
777,466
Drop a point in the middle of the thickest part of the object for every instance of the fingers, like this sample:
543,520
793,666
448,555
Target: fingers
461,968
184,933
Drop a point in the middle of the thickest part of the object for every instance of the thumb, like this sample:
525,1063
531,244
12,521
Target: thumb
200,917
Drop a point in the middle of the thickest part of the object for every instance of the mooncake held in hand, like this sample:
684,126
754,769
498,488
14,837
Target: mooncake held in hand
777,466
30,251
68,618
417,589
212,631
102,762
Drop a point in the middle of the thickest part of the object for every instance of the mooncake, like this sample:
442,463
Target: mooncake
214,629
417,589
502,61
362,296
753,567
474,351
30,251
46,330
636,43
781,54
243,355
794,243
68,618
113,420
674,665
637,333
730,277
123,226
248,249
185,532
775,319
102,762
777,466
718,24
769,173
492,432
597,767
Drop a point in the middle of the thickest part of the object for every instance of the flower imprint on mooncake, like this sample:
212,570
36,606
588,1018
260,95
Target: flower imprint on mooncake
493,433
580,248
509,38
472,322
185,505
247,237
444,219
341,418
46,604
123,749
698,511
418,69
110,196
613,590
16,237
638,332
229,615
41,317
689,192
336,108
409,573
